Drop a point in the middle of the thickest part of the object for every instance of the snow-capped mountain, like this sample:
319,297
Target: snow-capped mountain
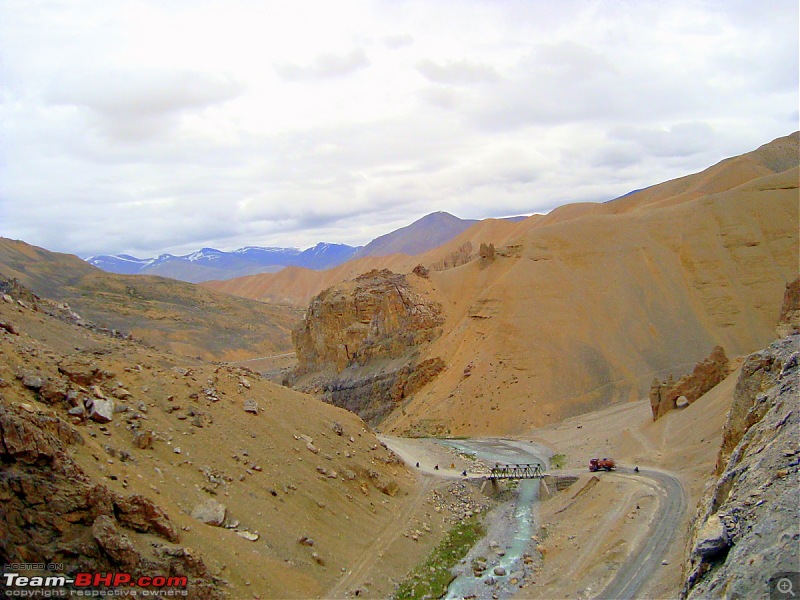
209,263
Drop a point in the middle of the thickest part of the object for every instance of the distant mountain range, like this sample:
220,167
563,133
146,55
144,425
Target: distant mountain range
209,263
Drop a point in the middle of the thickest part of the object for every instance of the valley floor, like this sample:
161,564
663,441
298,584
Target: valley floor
589,532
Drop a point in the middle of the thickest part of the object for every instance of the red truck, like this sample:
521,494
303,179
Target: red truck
602,464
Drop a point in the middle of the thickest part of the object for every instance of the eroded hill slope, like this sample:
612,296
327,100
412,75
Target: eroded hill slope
576,315
110,448
585,306
173,315
298,286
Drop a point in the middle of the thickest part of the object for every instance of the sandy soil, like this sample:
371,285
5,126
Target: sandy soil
591,528
419,523
590,531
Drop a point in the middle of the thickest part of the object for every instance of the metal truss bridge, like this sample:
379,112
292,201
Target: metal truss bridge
518,471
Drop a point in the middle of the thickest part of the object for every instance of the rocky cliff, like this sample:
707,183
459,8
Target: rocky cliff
664,395
789,320
53,513
360,342
747,527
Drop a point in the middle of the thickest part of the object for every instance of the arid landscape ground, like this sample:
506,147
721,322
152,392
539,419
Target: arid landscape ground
150,424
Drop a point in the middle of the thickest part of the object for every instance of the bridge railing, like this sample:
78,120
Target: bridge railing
517,471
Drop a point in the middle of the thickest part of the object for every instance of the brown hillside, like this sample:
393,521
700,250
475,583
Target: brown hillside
167,313
298,286
585,312
120,496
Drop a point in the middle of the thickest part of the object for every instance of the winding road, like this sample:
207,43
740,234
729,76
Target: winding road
629,578
640,567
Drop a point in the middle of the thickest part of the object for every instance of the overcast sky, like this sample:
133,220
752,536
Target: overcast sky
149,126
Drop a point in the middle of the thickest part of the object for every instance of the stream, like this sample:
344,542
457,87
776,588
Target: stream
509,526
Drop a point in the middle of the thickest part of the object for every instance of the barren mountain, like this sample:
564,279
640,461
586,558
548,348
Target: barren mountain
586,305
427,233
119,457
298,286
184,318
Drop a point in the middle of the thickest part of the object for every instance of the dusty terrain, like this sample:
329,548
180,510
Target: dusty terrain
342,489
168,314
590,529
554,339
581,308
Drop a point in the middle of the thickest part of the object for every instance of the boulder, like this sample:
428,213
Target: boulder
142,514
121,393
114,544
77,411
82,373
712,539
33,382
210,512
101,411
143,440
250,406
387,486
53,391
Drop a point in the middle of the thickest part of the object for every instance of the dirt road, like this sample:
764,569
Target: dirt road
375,551
643,563
629,580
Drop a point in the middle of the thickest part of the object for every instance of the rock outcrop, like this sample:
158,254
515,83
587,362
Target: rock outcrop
747,528
664,395
360,343
789,319
52,512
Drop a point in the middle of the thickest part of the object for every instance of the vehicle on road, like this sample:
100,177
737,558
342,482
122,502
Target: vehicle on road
602,464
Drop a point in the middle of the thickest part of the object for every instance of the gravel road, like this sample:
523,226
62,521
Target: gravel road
641,565
508,525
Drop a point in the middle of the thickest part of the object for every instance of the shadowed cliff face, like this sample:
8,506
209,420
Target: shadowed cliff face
746,528
360,342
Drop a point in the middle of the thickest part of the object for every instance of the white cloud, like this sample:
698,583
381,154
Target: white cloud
146,126
456,72
325,66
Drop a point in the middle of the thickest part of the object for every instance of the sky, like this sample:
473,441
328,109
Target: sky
150,126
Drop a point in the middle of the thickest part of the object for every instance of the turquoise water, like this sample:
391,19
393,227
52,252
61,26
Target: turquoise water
510,526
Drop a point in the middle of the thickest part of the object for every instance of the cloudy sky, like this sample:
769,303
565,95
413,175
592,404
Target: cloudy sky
145,126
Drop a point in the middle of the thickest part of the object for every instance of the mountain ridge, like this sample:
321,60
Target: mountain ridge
299,286
581,308
209,263
163,312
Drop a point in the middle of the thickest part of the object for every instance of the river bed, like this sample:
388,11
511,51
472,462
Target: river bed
510,526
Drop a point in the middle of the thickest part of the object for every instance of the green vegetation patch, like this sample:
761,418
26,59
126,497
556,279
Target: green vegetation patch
557,461
431,578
